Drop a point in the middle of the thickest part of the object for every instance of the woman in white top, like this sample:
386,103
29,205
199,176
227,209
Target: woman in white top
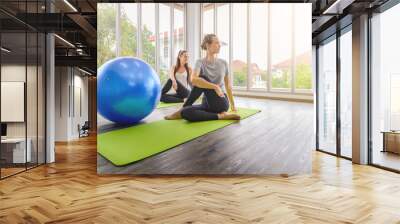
179,81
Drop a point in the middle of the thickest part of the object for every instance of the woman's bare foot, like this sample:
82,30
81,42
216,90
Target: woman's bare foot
228,116
174,116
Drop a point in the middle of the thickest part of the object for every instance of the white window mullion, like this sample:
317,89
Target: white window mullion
215,18
201,27
269,70
293,66
157,38
171,36
230,41
248,49
185,44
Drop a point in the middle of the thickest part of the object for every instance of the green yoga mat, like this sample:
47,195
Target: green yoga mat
135,143
163,105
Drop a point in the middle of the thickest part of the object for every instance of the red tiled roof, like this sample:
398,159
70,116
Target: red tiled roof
177,32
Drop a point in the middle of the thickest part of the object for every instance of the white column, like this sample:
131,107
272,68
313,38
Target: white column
193,32
360,90
50,99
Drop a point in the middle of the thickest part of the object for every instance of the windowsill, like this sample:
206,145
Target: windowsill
274,90
276,95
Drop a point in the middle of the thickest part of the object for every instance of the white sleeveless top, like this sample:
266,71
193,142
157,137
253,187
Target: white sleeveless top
182,78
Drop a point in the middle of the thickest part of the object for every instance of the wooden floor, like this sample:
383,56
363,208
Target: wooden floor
278,140
70,191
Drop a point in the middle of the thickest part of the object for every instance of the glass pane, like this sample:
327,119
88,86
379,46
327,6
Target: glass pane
327,97
223,30
179,37
128,27
281,45
106,14
239,38
41,99
346,94
31,100
13,79
208,18
394,101
302,29
259,45
386,88
149,33
165,40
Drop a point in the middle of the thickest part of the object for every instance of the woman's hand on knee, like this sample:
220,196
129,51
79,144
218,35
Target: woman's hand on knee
219,92
174,85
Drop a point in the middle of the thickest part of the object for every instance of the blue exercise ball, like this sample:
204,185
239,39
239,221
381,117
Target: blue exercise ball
128,89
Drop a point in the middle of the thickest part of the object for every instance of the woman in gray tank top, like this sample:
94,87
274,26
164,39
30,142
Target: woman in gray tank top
178,86
211,77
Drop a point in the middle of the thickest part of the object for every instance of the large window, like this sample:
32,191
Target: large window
22,100
239,48
346,93
106,42
149,33
164,37
223,30
208,18
281,45
302,42
327,96
130,29
179,37
273,39
385,81
258,45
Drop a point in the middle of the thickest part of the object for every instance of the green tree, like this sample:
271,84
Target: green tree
149,50
106,39
303,76
281,81
105,33
240,77
128,36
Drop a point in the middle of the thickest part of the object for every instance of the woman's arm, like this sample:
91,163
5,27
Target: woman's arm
171,74
190,74
228,88
172,77
200,82
196,80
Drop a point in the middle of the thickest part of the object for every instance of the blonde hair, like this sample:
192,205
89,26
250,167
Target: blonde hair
207,40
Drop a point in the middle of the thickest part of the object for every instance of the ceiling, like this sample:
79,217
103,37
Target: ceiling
76,23
331,15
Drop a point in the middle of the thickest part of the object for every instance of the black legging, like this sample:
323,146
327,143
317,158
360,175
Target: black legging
181,93
210,107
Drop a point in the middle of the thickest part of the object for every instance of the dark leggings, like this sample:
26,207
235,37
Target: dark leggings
181,93
210,107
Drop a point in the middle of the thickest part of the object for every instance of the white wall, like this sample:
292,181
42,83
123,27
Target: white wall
70,83
12,73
